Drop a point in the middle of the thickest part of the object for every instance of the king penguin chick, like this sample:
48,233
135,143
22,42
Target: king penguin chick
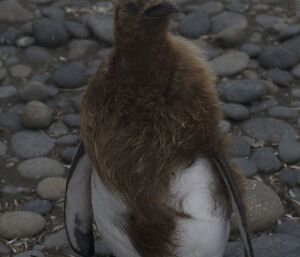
146,170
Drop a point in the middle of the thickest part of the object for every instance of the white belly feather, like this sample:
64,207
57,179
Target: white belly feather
203,235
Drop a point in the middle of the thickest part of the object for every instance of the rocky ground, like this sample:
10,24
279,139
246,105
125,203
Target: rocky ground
48,50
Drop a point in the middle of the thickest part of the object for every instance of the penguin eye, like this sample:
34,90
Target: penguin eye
132,7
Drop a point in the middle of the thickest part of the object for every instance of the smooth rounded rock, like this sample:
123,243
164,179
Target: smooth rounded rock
32,253
268,21
265,160
252,50
52,188
29,144
293,45
36,115
12,11
56,240
18,224
280,77
282,112
296,71
225,20
42,167
247,167
290,177
288,227
37,55
34,90
72,120
3,149
77,29
236,112
289,150
7,92
239,147
41,207
230,63
4,249
20,71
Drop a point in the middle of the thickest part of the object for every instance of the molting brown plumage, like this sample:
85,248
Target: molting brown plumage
151,109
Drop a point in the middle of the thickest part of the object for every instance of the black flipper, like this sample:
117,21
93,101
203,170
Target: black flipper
78,207
236,200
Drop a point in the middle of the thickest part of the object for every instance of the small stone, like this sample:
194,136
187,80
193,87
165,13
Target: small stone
56,240
290,177
36,115
13,12
268,21
4,249
68,153
252,50
263,105
42,167
293,45
289,150
289,32
280,77
102,27
239,147
34,90
41,207
289,227
69,76
225,20
3,74
77,29
57,129
277,57
265,160
49,32
67,140
37,55
247,167
268,130
18,224
54,13
7,91
20,71
230,63
225,126
13,190
11,121
242,91
295,194
28,144
32,253
52,188
236,112
72,120
231,36
264,206
25,41
283,112
211,7
296,71
194,25
81,48
3,149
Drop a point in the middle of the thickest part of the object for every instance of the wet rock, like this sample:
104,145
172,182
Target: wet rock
42,167
20,71
211,7
283,112
4,249
225,20
37,55
290,177
56,240
236,112
268,130
18,224
289,150
247,167
72,120
277,57
33,90
67,140
194,25
77,30
7,91
239,147
242,91
265,160
252,50
51,188
28,144
293,45
280,77
68,153
36,115
12,11
290,227
265,207
296,71
102,27
11,120
289,31
49,32
41,207
69,76
268,21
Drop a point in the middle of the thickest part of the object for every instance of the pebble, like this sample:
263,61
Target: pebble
280,77
242,91
56,240
247,167
283,112
230,63
57,129
224,126
289,31
68,153
54,13
236,112
226,20
20,71
263,105
230,37
80,48
296,71
11,121
33,90
289,227
77,30
72,120
36,115
52,188
293,45
239,146
7,92
11,11
102,27
56,33
268,21
18,224
41,167
37,55
277,57
41,207
290,177
32,253
194,25
3,74
67,140
252,50
25,41
3,149
13,190
29,144
4,249
289,150
212,7
264,206
69,76
268,130
266,160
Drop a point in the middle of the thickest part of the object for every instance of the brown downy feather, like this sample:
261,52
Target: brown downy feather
150,111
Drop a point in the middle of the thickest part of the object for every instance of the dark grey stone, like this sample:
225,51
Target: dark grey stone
37,55
13,190
251,49
283,112
11,120
53,13
7,92
288,227
41,207
67,140
268,130
290,177
34,90
194,25
265,160
239,147
247,167
296,71
77,30
289,150
226,20
289,31
263,105
236,112
242,91
32,253
293,45
280,77
72,120
4,249
68,153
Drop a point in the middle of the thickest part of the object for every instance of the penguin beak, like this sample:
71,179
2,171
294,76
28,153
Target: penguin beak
161,9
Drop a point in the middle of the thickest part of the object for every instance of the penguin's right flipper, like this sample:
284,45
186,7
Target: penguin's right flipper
78,207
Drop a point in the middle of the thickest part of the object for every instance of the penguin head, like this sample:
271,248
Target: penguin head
143,17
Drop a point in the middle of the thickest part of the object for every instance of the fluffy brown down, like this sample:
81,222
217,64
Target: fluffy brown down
150,110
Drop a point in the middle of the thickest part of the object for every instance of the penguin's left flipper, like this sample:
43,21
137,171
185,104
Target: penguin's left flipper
78,207
236,201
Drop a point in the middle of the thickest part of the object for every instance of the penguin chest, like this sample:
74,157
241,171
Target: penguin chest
202,232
